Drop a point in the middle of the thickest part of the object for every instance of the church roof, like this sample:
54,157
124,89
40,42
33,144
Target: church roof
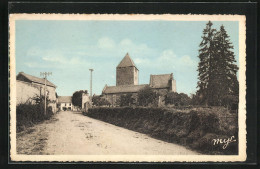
123,89
29,78
160,81
126,62
65,99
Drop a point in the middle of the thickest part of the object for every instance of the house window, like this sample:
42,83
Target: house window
65,104
70,104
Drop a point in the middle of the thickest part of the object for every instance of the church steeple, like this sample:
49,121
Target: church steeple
126,62
126,72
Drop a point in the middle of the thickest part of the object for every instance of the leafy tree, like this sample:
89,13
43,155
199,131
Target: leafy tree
126,100
147,96
195,99
99,101
77,97
177,99
172,98
184,99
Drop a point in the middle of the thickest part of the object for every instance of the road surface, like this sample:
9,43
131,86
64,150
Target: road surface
71,133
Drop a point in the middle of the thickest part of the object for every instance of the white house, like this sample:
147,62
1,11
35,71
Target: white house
65,103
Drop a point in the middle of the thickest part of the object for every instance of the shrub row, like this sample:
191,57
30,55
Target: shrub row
29,114
195,128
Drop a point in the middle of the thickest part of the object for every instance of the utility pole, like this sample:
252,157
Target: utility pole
91,70
45,74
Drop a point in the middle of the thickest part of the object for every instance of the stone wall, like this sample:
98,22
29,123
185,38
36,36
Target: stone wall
173,86
126,76
136,76
114,99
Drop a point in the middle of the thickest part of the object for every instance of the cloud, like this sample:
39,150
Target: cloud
141,61
106,43
139,50
60,59
168,60
53,58
187,60
106,47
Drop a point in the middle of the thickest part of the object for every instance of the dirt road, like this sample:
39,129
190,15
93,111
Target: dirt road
73,133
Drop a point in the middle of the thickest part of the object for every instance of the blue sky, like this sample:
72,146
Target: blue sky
69,49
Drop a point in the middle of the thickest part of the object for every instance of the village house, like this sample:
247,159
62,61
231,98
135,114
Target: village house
65,103
28,87
127,82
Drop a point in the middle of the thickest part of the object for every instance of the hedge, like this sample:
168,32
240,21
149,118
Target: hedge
29,114
195,128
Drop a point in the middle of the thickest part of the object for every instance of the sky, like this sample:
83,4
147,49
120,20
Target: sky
70,48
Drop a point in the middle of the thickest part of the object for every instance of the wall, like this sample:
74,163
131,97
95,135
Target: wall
126,76
85,101
52,97
114,99
173,86
26,91
136,76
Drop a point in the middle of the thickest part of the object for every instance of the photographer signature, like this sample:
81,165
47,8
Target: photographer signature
225,142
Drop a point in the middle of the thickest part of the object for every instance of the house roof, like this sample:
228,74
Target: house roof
123,89
65,99
126,62
23,76
160,81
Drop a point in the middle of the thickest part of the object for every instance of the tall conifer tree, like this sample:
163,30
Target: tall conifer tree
205,67
217,68
224,79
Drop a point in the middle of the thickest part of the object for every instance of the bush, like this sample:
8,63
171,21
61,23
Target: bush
126,100
147,97
177,99
28,114
191,128
99,101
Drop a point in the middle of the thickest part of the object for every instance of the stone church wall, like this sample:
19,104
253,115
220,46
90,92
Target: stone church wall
174,89
126,76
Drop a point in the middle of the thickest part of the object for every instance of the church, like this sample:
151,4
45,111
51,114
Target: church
127,82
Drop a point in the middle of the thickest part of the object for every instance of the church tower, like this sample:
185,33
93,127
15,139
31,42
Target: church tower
126,72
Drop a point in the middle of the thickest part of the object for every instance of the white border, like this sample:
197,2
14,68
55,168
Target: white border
132,158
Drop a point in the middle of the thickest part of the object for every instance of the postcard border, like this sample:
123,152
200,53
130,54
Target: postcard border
150,158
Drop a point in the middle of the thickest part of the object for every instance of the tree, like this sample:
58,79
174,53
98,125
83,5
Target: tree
205,67
77,97
225,79
99,101
147,96
126,100
177,99
217,71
